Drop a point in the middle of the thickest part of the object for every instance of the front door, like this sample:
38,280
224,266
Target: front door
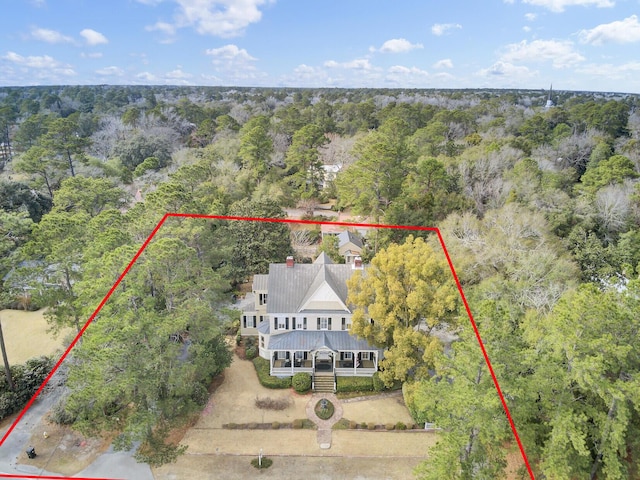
324,362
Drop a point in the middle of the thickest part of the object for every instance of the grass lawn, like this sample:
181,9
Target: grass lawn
25,335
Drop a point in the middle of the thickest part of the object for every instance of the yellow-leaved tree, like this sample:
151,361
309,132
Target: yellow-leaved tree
398,301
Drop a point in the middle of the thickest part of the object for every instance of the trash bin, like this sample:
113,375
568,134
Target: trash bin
31,452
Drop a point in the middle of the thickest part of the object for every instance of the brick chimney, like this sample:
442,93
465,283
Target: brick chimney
357,263
290,262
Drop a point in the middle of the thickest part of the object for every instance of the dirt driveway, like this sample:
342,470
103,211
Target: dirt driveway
214,452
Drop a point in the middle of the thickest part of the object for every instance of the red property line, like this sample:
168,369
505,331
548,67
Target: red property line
486,357
270,220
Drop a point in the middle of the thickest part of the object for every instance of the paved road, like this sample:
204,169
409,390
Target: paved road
111,464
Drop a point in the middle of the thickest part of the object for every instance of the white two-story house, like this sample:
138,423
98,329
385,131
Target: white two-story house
302,320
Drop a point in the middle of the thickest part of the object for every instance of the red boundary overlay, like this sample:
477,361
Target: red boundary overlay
272,220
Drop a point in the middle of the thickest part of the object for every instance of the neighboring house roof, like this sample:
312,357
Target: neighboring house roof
260,282
346,237
293,288
309,340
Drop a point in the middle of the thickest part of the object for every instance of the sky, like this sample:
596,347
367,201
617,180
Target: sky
590,45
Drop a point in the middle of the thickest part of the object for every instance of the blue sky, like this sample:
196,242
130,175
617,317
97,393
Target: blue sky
574,44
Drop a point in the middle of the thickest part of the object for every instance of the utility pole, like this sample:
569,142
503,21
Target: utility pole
7,370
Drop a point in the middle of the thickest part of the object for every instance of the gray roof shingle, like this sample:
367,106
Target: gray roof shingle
290,287
310,340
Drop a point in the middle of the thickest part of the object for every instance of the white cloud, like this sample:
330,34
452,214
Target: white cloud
307,76
147,77
406,70
442,28
91,55
92,37
178,74
49,36
397,45
44,61
444,63
500,69
531,16
222,18
526,29
166,28
399,75
357,64
607,70
560,53
229,53
110,71
235,64
35,69
621,31
560,5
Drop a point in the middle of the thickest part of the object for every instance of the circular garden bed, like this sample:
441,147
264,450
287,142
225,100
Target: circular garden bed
324,409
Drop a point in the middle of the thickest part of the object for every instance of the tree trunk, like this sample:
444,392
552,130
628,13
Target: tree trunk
7,370
603,438
73,173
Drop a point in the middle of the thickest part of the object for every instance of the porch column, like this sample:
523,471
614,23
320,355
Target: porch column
291,360
375,360
271,363
355,362
313,361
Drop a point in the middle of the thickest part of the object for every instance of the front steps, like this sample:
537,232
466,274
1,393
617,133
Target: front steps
323,383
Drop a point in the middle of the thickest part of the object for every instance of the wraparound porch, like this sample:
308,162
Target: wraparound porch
348,363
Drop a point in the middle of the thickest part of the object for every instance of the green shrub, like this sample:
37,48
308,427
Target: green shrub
275,425
249,342
354,384
266,380
251,353
297,423
252,425
363,425
60,415
149,163
390,426
371,426
200,395
342,424
27,379
301,382
400,426
378,384
266,462
232,426
353,425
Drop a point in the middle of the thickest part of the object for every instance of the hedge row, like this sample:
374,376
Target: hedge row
266,380
27,379
354,384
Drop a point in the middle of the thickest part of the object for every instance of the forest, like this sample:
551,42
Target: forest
539,208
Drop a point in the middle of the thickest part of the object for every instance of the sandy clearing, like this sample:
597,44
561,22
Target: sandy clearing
26,336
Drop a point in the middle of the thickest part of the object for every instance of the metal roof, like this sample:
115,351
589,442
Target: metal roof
346,237
260,282
289,286
264,327
312,340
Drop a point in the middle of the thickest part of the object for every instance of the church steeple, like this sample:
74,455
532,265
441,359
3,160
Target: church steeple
549,101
